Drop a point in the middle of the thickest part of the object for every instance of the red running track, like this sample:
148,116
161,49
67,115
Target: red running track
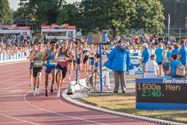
19,107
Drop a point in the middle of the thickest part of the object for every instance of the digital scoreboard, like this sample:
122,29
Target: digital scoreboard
161,93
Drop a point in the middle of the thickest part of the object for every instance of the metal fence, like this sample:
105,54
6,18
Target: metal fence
177,32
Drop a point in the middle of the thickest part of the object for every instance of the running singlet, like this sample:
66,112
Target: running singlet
62,58
86,52
78,56
50,59
38,60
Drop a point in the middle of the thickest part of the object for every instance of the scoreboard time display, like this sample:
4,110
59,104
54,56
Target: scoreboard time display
161,93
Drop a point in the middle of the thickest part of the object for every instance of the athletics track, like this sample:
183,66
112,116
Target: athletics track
18,106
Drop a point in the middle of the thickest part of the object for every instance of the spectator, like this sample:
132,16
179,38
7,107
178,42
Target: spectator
119,59
145,55
159,52
168,55
152,50
175,51
173,66
183,55
151,68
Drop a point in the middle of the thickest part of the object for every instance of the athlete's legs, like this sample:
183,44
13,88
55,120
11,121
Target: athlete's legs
52,80
46,83
58,80
70,70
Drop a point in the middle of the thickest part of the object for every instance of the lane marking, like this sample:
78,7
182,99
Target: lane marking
24,121
59,114
43,109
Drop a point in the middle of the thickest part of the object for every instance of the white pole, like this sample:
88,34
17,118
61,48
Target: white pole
169,20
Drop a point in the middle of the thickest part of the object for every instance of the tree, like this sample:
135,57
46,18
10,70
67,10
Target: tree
5,13
69,14
121,16
43,11
149,16
107,14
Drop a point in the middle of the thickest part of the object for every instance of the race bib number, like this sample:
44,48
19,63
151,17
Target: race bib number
87,53
62,59
38,63
78,56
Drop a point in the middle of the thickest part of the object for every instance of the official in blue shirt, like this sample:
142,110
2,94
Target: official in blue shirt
145,55
183,55
175,51
173,66
119,62
168,55
159,52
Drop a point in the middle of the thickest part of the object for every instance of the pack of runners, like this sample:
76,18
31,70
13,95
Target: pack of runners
56,60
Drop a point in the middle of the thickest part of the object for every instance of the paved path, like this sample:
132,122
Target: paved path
19,107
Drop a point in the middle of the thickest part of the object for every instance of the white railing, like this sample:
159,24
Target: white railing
9,57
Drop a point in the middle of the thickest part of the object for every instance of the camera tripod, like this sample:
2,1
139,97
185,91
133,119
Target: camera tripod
92,82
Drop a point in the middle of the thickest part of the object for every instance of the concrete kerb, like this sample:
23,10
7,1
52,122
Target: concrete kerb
75,101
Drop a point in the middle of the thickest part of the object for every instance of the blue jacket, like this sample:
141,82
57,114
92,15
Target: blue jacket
118,59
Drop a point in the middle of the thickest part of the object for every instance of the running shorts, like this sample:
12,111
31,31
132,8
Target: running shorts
36,70
63,69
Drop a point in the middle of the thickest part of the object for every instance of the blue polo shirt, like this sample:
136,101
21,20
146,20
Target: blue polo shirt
183,53
173,64
175,52
146,55
159,54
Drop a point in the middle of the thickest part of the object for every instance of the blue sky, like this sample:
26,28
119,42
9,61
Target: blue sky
14,3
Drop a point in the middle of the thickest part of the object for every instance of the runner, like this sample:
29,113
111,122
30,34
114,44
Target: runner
49,57
36,57
62,66
78,57
92,58
31,63
86,52
71,61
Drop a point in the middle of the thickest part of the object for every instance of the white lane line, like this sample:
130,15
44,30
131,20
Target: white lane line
24,121
60,114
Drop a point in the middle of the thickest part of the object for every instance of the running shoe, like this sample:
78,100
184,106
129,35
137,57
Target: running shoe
37,91
51,88
46,93
58,93
34,92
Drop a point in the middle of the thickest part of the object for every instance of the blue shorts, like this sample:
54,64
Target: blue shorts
50,68
91,62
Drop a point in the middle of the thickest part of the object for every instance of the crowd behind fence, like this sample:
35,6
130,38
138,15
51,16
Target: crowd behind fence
9,53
